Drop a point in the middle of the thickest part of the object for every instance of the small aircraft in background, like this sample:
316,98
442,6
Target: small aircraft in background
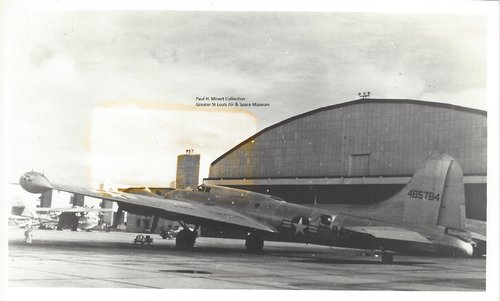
75,217
21,221
21,216
426,217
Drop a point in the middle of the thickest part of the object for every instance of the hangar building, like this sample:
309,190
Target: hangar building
359,151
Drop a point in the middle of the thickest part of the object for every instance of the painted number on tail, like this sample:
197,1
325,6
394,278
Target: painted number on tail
423,195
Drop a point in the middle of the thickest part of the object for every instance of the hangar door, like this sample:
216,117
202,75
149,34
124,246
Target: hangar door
359,165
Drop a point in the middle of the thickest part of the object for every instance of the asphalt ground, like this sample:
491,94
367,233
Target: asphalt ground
66,259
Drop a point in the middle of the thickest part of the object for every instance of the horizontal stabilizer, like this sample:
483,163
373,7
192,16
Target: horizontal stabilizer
477,236
391,233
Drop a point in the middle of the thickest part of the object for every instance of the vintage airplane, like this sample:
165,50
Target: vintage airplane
75,217
21,216
426,217
22,221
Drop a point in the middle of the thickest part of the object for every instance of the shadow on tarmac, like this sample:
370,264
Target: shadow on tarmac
358,261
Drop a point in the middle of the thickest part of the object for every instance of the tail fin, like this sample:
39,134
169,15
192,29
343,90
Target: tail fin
21,211
434,195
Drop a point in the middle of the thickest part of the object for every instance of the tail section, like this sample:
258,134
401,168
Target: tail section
434,195
21,211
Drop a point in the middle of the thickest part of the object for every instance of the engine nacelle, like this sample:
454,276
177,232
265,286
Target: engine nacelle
34,182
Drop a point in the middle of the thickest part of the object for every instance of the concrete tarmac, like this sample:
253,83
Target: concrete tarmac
110,260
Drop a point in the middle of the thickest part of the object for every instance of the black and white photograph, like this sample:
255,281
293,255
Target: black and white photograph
262,148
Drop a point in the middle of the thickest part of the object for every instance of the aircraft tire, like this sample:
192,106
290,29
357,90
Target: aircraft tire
185,240
254,244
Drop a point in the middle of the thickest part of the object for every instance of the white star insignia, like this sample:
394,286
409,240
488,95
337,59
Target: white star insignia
300,227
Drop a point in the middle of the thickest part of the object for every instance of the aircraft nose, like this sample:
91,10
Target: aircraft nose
34,182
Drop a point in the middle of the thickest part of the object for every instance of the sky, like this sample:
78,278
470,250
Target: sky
111,95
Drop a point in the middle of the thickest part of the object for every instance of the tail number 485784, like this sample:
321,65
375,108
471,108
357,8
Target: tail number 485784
423,195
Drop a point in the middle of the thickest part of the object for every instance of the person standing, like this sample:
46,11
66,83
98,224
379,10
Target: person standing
28,233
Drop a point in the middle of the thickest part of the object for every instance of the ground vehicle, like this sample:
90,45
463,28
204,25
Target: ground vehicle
142,239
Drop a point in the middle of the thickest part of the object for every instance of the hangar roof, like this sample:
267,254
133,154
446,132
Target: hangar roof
354,102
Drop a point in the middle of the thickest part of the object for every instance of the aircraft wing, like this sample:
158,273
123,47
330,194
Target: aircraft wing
182,209
476,228
45,220
391,233
30,217
73,209
18,217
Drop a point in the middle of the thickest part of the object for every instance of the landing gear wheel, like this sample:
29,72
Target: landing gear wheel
254,243
387,258
185,239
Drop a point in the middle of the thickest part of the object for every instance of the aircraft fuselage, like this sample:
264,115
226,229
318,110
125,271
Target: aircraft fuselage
303,224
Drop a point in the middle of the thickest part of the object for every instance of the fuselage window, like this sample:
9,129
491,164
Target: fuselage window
326,220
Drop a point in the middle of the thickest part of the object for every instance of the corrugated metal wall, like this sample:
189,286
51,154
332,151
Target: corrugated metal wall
363,138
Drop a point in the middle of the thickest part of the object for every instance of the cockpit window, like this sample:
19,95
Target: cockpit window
326,220
203,188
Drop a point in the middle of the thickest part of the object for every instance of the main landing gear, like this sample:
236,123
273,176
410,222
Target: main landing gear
186,238
254,243
387,258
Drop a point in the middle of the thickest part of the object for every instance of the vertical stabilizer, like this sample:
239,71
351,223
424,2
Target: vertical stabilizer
434,195
423,194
